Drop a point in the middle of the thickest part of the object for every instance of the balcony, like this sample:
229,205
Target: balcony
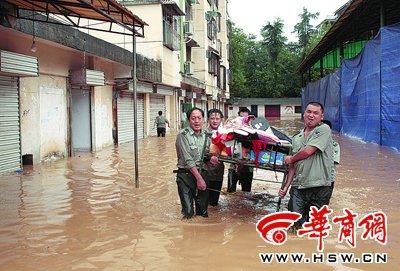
189,67
171,37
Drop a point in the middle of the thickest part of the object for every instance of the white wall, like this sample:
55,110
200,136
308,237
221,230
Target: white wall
53,116
30,117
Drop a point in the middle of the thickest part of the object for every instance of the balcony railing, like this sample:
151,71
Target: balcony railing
171,37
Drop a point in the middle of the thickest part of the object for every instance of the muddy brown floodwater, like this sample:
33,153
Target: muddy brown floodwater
84,213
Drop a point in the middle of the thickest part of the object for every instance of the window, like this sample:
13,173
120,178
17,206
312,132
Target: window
211,29
223,79
213,63
171,37
188,11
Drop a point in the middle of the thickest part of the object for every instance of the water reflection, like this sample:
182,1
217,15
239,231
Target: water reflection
85,213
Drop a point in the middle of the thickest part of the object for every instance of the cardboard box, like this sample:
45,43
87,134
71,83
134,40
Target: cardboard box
266,157
280,159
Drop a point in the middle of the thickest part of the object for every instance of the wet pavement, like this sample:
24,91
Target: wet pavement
84,213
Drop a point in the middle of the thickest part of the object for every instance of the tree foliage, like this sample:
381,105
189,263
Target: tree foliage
304,30
267,68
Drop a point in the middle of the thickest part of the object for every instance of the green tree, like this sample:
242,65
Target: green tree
254,66
304,30
273,42
238,42
316,38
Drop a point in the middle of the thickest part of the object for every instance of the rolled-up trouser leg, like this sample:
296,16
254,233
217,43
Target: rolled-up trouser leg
186,195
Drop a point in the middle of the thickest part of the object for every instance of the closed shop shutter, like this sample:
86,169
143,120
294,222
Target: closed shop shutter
10,144
157,103
80,119
272,111
125,117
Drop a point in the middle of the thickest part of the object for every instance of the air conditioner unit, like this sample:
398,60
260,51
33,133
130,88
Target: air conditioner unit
86,77
18,65
188,28
189,67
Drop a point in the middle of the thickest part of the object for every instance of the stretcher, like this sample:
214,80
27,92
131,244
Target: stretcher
263,155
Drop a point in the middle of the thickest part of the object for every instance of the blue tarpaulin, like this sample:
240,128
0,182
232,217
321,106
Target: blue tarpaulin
327,92
362,98
391,86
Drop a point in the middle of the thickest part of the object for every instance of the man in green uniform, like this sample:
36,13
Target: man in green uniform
215,169
311,164
336,159
191,177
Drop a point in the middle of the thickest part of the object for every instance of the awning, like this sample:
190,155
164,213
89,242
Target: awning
70,12
361,20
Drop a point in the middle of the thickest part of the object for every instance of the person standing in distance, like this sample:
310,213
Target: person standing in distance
215,168
183,117
336,159
244,174
310,165
161,122
191,176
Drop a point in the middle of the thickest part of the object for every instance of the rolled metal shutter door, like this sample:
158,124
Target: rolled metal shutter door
125,117
10,138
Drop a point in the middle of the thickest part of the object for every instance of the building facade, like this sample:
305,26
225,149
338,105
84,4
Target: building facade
58,92
77,93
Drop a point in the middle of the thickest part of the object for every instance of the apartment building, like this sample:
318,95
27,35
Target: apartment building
190,39
206,60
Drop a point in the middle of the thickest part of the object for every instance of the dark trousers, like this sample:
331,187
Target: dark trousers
161,132
188,193
214,194
331,191
244,177
215,178
301,201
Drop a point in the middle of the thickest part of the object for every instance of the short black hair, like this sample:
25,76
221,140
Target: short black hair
316,104
159,113
244,110
214,110
193,109
328,122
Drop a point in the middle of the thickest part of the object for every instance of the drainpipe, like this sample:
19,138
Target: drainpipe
135,141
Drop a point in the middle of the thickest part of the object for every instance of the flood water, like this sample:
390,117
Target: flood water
85,213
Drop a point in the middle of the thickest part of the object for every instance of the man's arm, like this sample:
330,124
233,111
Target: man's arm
201,184
304,153
155,121
289,180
